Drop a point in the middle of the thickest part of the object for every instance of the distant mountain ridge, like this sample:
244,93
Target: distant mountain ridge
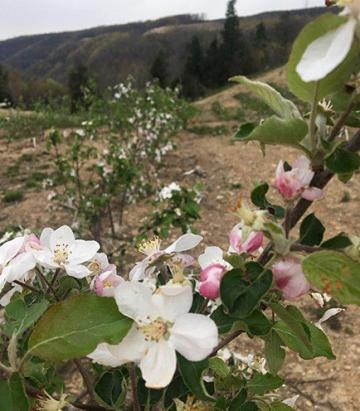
114,52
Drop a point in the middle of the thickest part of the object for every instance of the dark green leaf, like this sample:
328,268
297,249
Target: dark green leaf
262,383
238,401
338,242
258,197
274,353
245,130
256,323
192,373
110,389
280,406
241,296
334,273
12,394
223,321
177,389
343,161
218,366
311,231
73,328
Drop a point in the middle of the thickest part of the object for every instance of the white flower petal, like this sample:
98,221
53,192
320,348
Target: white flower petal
184,243
159,365
77,270
194,336
326,53
9,250
327,315
5,299
45,258
131,349
135,300
210,256
19,266
45,237
62,235
83,251
137,273
173,300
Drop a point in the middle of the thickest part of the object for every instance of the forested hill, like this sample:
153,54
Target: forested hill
112,53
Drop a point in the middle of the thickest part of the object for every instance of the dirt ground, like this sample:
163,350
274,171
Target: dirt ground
227,170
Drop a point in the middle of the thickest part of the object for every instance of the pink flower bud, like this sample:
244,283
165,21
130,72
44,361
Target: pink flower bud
290,278
106,282
238,245
210,279
296,182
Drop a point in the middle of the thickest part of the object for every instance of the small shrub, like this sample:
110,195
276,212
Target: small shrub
13,196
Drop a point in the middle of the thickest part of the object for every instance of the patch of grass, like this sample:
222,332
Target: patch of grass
35,179
248,102
13,170
28,157
227,113
203,130
13,196
346,197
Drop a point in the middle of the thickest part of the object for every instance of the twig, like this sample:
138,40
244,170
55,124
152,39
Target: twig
132,372
342,119
86,378
225,342
49,285
29,287
305,248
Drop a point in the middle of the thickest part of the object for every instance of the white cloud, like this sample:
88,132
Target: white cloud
20,17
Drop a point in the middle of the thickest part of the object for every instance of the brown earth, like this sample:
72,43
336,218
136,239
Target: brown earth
227,170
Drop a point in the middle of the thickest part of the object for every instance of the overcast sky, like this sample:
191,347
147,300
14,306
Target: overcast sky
18,17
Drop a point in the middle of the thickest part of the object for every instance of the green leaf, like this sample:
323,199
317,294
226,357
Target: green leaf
280,406
311,231
242,294
219,367
343,161
335,274
283,108
73,328
275,131
338,242
238,401
12,394
293,318
256,323
274,353
319,343
111,389
192,373
262,383
223,321
336,79
258,197
249,406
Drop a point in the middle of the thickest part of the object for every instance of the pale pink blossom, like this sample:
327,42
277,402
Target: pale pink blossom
296,182
242,241
290,278
106,282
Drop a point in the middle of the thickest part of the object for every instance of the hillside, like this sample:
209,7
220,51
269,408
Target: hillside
114,52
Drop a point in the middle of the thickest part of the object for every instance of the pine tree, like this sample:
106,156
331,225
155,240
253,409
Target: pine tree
78,81
212,73
159,69
5,95
192,77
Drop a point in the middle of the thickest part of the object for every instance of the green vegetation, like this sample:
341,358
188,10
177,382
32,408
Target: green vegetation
12,196
202,130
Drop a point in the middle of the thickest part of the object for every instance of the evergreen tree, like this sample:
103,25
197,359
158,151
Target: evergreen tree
78,82
192,77
5,95
212,73
260,33
159,69
231,31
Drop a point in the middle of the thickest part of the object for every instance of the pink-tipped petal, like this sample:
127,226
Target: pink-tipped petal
254,242
210,289
312,194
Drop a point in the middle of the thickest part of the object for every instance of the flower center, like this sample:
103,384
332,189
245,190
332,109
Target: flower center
156,330
150,247
61,254
107,284
95,267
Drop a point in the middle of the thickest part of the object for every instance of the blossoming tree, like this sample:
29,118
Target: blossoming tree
157,337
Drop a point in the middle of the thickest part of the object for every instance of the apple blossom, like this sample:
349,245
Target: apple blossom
16,259
213,267
327,52
106,282
327,315
254,219
296,182
151,248
290,278
243,240
162,326
60,249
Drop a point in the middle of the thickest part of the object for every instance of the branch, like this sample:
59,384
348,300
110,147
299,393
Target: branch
132,372
342,119
305,248
225,342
